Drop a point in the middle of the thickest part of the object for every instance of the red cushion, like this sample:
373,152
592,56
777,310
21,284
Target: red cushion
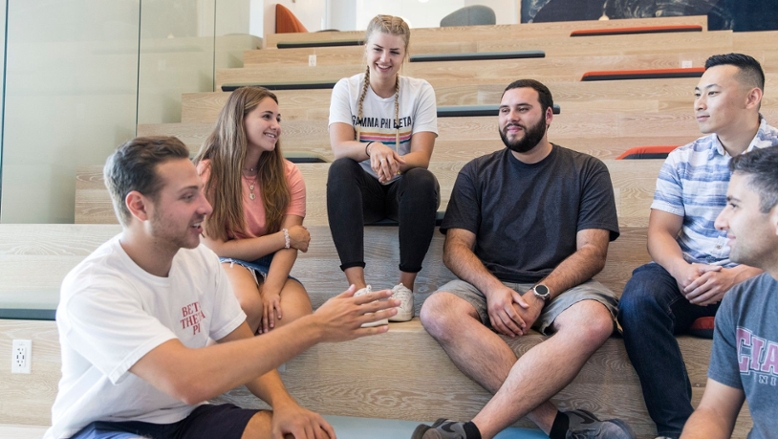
703,327
643,74
638,151
286,22
637,30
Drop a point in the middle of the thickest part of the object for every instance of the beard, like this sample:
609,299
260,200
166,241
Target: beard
532,136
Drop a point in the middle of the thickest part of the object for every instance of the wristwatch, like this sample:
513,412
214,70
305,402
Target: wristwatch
541,291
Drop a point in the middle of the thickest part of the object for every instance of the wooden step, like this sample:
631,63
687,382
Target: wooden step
402,374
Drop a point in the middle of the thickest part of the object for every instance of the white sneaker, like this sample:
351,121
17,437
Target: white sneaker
367,290
405,310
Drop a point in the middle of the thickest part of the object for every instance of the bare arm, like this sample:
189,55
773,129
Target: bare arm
501,301
276,278
588,260
267,387
716,415
288,416
344,144
249,249
663,229
195,375
422,144
458,257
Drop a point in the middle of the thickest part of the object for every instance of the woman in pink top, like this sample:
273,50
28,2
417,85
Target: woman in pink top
258,201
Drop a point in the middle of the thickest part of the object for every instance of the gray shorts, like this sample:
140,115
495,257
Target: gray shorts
590,290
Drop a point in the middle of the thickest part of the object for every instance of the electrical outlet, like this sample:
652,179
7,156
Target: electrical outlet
21,356
686,64
312,60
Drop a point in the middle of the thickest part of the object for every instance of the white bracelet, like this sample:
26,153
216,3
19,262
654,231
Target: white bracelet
287,241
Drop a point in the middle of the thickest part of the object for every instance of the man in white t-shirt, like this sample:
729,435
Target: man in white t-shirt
135,318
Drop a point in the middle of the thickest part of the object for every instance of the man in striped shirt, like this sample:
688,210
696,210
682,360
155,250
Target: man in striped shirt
691,271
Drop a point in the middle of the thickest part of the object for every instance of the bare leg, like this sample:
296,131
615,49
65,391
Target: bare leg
520,386
246,290
539,374
295,302
260,427
356,276
408,279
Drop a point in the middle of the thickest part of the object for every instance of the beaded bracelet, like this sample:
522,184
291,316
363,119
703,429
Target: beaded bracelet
287,241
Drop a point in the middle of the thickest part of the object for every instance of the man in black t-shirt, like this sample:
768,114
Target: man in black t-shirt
526,229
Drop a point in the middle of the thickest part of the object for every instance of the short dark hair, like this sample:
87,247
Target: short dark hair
132,167
751,72
761,165
544,94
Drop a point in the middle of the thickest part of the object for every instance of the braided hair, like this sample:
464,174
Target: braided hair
393,26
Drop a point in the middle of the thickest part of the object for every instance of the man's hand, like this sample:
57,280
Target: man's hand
710,287
531,314
342,316
690,272
504,305
291,419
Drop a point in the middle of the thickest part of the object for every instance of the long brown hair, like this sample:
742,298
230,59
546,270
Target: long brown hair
226,149
391,25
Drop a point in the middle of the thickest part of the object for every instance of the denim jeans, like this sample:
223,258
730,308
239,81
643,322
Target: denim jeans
652,311
356,198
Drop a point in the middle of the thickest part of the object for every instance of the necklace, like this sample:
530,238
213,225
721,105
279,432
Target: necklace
252,182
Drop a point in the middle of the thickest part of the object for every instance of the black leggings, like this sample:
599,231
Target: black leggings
356,198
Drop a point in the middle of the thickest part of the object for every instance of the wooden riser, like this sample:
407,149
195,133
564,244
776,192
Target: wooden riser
403,374
21,261
633,182
481,33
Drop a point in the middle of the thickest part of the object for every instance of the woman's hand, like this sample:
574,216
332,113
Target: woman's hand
385,161
271,309
299,238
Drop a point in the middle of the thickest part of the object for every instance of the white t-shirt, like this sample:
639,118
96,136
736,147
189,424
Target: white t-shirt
112,313
418,113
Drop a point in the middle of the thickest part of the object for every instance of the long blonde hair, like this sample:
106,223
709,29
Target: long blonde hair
226,148
391,25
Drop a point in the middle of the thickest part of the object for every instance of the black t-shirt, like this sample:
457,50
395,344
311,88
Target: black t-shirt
525,217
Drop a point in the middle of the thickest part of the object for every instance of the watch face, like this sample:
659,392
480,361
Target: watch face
541,290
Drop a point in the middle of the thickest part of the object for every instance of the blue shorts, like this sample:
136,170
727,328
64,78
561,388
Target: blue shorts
258,267
207,421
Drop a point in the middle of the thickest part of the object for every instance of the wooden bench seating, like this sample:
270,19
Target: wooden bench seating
633,183
694,47
576,130
353,379
479,33
650,95
457,72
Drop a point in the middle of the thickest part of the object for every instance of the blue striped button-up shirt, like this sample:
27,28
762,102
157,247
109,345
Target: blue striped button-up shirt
693,184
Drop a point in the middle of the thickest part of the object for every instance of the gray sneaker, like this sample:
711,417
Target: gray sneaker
441,429
584,425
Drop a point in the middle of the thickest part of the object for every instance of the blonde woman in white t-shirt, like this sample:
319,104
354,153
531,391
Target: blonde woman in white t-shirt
382,130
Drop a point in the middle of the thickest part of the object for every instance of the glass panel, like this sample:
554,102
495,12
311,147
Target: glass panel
176,56
71,89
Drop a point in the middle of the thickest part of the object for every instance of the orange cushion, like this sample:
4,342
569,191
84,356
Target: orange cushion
643,74
637,30
286,22
643,151
703,327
